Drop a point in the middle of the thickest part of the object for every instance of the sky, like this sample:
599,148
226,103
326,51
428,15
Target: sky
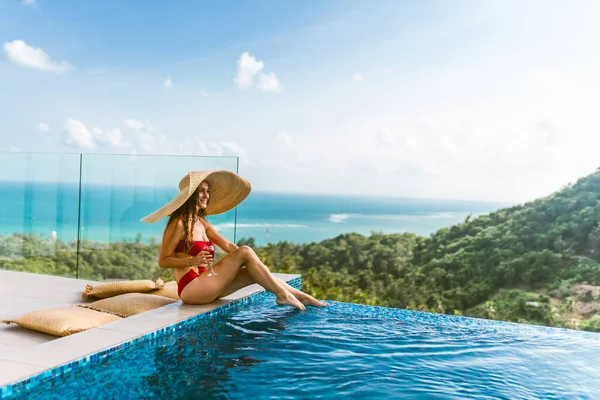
449,99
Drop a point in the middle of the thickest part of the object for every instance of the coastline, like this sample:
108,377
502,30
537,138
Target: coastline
263,231
112,213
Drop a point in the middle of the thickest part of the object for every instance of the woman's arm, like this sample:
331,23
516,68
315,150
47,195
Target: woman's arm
216,237
166,258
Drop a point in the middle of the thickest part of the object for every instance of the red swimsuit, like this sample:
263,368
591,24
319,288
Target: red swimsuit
193,251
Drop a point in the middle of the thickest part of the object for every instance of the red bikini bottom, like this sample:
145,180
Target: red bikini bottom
187,278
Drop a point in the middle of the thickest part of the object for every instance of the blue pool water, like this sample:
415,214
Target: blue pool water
343,351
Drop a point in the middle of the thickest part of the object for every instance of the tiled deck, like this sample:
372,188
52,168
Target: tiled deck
24,353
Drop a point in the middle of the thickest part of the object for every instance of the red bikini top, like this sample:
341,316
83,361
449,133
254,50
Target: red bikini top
196,248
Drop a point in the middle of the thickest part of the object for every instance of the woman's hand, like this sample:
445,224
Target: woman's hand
203,259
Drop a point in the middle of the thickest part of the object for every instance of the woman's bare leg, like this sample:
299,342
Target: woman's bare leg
263,276
206,289
244,279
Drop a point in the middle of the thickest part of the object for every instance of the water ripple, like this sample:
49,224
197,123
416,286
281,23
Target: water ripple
361,356
350,352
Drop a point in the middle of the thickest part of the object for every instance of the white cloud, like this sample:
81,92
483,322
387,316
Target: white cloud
357,78
144,139
216,149
496,139
43,127
203,93
134,124
285,138
112,139
28,2
148,143
78,135
384,71
269,83
234,149
549,79
168,83
15,148
22,54
248,67
500,149
283,154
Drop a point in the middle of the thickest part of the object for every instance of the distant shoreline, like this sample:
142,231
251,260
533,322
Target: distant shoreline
306,233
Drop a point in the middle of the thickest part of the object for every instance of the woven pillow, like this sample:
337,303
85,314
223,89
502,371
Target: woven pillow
168,290
126,305
111,289
63,321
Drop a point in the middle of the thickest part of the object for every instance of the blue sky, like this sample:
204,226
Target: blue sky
479,100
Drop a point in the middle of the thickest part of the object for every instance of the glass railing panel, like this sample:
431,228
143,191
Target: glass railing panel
116,192
39,212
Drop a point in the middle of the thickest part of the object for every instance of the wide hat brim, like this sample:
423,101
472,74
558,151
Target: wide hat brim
227,189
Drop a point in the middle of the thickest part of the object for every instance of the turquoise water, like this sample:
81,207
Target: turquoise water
112,213
344,351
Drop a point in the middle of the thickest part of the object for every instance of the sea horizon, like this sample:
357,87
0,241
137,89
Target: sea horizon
112,213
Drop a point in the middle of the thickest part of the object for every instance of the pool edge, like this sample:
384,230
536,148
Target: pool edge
24,384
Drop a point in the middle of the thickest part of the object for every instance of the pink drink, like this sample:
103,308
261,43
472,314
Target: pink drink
211,250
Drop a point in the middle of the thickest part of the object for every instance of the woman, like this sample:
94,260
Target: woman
188,233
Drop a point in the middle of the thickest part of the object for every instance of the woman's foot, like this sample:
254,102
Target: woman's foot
308,300
288,298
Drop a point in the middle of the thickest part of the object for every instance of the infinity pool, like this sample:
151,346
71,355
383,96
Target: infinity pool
343,351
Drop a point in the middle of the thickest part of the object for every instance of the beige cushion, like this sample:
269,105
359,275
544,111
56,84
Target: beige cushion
126,305
111,289
63,321
168,290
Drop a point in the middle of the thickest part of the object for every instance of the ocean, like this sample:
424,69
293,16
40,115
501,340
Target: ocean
112,213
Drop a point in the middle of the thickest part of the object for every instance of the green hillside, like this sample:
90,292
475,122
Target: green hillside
537,262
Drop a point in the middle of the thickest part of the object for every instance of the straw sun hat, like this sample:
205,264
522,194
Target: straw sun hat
227,190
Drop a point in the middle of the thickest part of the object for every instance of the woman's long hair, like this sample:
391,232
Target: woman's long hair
188,213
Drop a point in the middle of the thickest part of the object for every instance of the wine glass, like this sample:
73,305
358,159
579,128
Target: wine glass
211,250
